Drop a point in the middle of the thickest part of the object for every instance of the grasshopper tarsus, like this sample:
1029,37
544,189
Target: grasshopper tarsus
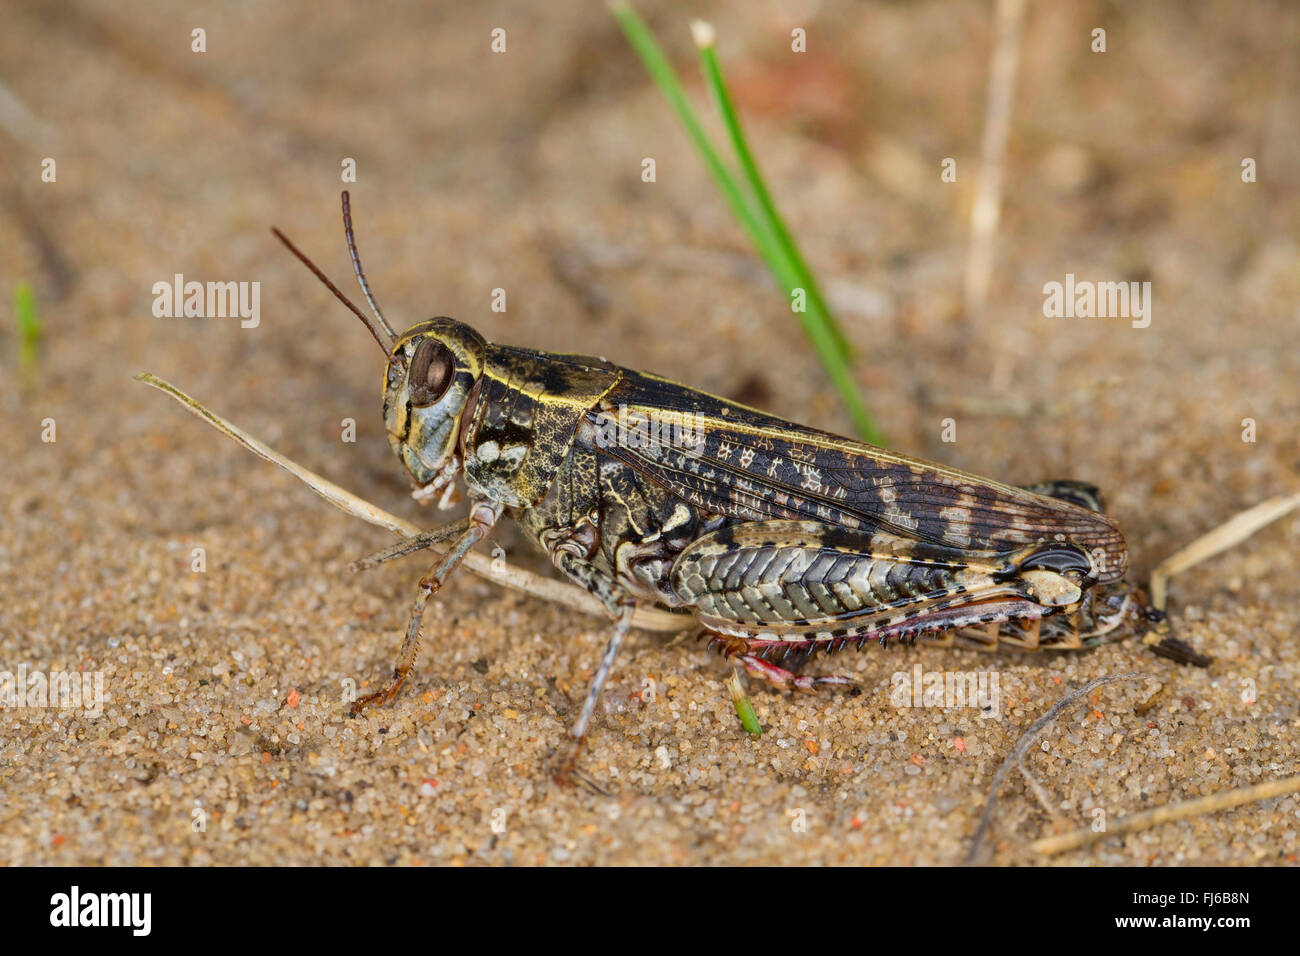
1178,650
381,697
568,774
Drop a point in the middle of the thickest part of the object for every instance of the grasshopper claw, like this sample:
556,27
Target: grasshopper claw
380,697
569,775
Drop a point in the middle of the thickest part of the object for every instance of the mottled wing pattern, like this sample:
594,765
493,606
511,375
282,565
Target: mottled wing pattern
737,461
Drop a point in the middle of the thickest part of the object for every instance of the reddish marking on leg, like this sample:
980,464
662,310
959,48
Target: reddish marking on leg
783,679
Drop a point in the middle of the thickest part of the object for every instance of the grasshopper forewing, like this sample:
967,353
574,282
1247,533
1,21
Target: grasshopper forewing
779,539
752,466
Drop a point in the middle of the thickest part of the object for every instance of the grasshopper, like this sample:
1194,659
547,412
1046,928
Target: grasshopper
777,539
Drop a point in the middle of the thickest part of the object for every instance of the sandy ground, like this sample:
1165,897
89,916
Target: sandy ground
223,738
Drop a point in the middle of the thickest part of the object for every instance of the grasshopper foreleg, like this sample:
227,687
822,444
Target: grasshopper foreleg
478,525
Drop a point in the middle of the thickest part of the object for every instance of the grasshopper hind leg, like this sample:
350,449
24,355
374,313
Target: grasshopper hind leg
783,679
759,662
1079,493
1122,606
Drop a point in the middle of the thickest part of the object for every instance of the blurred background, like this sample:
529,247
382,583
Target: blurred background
521,170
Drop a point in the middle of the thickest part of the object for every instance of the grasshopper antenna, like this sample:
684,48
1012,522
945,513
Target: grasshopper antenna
356,267
335,289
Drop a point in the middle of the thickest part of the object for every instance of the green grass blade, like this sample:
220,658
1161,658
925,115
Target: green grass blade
749,166
744,708
29,329
647,48
826,338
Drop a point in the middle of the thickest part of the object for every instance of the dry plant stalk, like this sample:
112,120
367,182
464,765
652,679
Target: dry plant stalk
549,589
1027,740
1168,813
1232,532
987,209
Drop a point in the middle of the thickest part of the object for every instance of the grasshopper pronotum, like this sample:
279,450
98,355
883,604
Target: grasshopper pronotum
778,539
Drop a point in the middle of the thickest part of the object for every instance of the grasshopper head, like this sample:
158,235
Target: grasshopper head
431,371
427,385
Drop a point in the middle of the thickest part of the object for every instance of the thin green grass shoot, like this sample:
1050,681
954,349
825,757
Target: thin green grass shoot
752,205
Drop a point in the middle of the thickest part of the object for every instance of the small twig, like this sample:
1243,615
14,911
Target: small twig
1233,531
558,592
1027,740
1224,800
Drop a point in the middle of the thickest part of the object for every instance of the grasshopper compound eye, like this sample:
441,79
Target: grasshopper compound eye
432,370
